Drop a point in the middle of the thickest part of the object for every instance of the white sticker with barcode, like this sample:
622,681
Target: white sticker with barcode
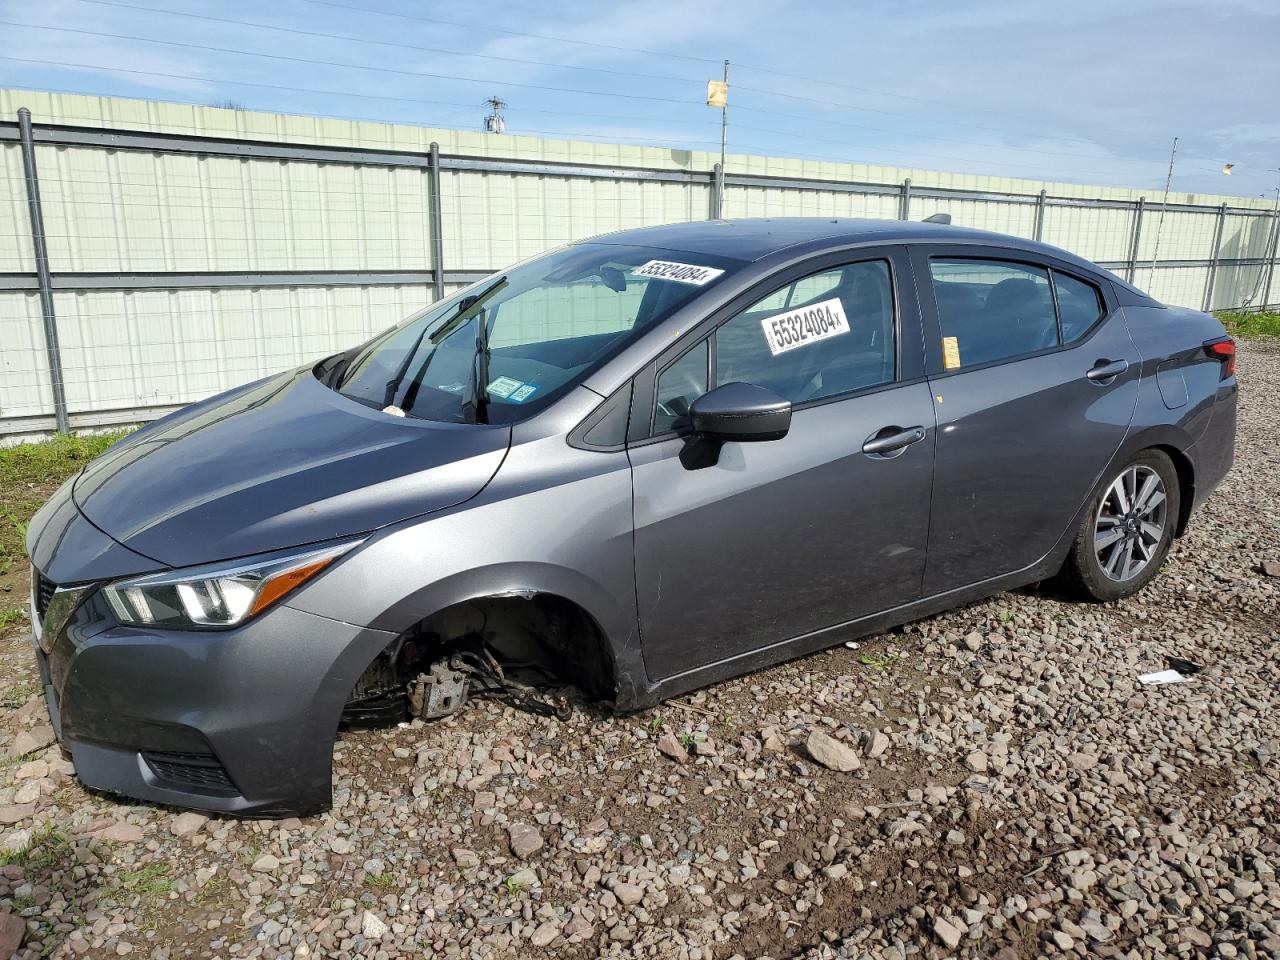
679,272
799,328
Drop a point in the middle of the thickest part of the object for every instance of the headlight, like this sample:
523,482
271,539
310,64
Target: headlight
216,596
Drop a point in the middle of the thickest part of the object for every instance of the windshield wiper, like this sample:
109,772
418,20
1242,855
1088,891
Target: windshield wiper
468,307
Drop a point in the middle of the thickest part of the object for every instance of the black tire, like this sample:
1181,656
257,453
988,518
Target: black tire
1108,573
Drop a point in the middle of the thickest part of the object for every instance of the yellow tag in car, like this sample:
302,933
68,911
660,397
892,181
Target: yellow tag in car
951,353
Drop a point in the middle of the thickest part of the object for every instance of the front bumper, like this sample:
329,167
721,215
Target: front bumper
240,721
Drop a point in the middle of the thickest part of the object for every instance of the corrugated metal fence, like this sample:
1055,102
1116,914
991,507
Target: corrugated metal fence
176,264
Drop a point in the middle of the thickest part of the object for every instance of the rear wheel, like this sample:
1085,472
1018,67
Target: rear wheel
1128,530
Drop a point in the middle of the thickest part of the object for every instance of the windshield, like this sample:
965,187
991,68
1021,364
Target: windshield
548,321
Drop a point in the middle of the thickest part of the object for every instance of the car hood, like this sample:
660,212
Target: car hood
279,463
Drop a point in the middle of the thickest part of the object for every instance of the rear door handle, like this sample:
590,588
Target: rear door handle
1105,370
892,439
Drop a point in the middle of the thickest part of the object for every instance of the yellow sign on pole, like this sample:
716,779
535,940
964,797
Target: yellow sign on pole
717,94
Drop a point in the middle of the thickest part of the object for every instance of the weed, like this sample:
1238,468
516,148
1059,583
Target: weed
380,881
880,661
149,881
1250,324
19,693
45,848
514,886
210,889
686,740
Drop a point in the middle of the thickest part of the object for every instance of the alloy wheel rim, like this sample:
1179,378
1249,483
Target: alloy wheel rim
1130,524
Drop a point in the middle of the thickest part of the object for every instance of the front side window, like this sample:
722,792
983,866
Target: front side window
992,310
826,334
548,323
678,386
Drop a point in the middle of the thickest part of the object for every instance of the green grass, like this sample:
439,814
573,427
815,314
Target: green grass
150,881
1250,324
29,473
879,661
47,846
380,881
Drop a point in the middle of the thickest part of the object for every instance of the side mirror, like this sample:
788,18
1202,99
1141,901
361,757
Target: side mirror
740,412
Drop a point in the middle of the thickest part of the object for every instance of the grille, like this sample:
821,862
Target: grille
43,588
200,770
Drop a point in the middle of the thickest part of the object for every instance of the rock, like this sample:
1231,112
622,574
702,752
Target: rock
800,870
372,927
12,813
628,893
187,823
544,934
341,846
831,753
669,744
28,793
973,642
29,741
1082,761
120,832
1062,940
877,743
12,932
1271,568
977,761
949,933
16,842
525,840
464,858
525,879
267,863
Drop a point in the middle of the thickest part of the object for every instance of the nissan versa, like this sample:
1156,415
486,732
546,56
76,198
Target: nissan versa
635,465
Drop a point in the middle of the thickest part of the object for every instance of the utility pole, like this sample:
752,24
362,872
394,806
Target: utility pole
718,96
495,122
1168,182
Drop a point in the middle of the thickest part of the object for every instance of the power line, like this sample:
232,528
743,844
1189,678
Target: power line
340,64
106,68
350,38
511,33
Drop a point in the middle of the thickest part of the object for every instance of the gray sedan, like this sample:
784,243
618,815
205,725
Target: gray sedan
635,465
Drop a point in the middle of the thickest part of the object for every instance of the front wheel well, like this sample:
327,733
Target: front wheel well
534,634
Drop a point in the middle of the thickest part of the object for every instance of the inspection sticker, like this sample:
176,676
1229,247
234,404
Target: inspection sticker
799,328
516,391
679,272
951,353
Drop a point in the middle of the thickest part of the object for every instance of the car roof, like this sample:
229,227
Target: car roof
753,238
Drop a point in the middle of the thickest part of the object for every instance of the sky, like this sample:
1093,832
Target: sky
1085,92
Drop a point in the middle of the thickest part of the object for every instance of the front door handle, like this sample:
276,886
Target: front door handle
891,440
1105,370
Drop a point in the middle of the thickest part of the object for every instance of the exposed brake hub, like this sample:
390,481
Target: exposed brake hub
438,692
443,689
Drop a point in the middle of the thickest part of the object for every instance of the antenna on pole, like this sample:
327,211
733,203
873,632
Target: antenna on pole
495,122
1168,181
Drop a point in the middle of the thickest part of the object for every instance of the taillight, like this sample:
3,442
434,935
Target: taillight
1224,351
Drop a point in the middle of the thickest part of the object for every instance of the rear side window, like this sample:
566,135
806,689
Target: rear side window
1079,306
990,310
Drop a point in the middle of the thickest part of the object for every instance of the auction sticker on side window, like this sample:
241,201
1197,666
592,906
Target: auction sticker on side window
679,272
799,328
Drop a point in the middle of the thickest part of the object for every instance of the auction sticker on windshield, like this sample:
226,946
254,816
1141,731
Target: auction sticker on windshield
679,272
799,328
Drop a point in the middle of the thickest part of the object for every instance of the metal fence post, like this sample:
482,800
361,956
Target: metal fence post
1039,229
904,201
1271,267
717,192
437,222
1133,241
41,252
1213,259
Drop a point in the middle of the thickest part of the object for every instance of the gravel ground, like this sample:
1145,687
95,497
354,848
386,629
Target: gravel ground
994,782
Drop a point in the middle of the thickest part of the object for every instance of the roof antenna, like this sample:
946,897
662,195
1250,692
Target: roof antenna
939,218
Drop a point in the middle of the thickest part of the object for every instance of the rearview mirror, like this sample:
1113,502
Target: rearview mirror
740,412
